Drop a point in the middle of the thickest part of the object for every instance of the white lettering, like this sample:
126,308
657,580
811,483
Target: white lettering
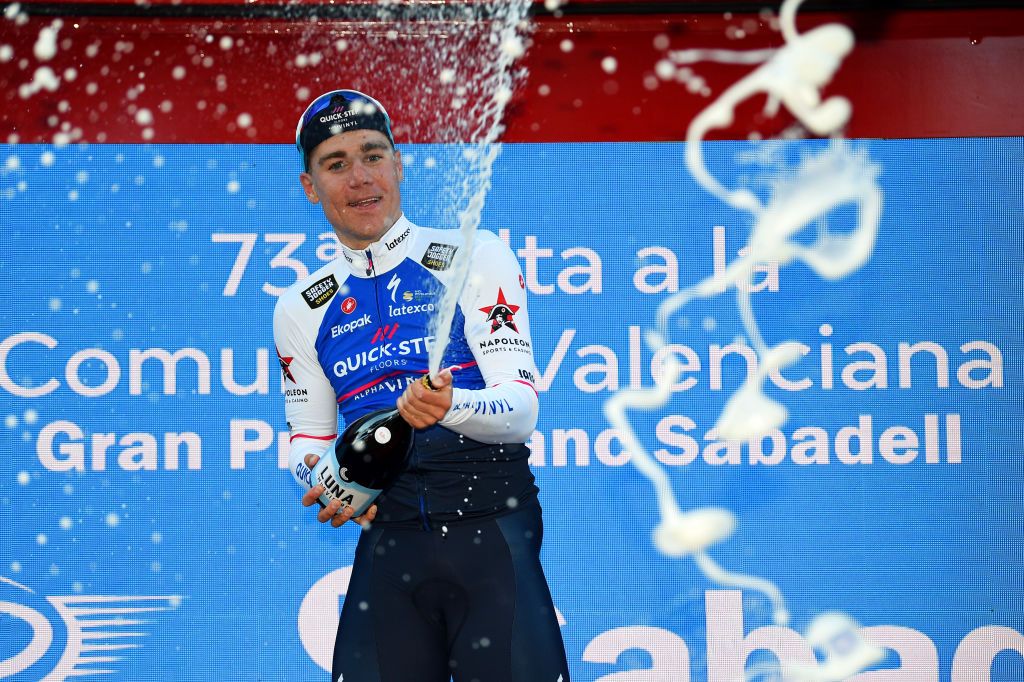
140,451
728,648
7,383
531,253
398,311
169,361
603,449
261,384
75,381
908,350
339,329
560,438
73,452
919,660
591,271
861,435
670,659
241,444
770,270
775,373
972,661
667,433
718,353
668,269
879,377
687,361
551,369
993,363
609,370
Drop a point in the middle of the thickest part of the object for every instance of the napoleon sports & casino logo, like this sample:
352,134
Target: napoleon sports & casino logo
58,638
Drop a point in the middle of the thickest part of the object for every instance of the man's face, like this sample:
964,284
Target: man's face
355,177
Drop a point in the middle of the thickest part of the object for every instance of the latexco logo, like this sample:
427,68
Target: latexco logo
65,638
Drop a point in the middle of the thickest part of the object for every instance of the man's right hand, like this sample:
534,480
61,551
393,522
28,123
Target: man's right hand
333,512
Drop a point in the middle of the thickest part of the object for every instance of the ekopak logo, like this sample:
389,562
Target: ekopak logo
64,638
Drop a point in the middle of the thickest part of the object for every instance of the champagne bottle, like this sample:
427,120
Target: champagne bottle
368,456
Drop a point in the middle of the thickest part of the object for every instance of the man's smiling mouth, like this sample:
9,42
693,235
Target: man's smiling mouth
364,203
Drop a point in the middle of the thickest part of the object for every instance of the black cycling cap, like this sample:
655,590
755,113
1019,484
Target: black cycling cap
337,112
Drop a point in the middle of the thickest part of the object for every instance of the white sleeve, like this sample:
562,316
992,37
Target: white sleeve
497,328
309,404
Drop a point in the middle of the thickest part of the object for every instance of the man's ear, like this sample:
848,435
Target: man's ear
401,168
307,186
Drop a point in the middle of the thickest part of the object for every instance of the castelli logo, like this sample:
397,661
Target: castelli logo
348,305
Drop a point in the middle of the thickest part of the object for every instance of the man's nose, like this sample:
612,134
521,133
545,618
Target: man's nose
359,175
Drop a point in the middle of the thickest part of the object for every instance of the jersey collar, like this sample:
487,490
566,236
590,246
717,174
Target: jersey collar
383,254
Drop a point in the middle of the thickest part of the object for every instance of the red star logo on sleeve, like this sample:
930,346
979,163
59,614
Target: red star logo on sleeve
501,314
284,365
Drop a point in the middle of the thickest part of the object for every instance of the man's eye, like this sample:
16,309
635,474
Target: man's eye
373,158
337,165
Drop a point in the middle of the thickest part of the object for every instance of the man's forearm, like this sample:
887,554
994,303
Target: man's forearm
505,413
301,446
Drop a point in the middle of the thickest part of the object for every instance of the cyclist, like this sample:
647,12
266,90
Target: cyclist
447,581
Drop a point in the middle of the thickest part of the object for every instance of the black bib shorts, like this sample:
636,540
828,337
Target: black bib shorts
463,600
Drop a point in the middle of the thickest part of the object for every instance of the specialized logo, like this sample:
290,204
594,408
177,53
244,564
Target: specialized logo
397,240
95,627
321,292
501,314
348,305
439,256
339,329
393,286
285,363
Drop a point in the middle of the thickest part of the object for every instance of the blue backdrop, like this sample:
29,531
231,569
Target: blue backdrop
148,529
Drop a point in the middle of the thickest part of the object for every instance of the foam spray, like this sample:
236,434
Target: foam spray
791,76
481,150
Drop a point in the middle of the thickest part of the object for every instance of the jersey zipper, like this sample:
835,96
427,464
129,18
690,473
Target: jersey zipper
420,488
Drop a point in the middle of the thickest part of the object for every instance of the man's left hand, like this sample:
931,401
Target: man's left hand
422,407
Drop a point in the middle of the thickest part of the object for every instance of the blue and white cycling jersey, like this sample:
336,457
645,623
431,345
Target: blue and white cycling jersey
355,333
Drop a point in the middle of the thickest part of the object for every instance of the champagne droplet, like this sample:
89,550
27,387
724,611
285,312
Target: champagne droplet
382,435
